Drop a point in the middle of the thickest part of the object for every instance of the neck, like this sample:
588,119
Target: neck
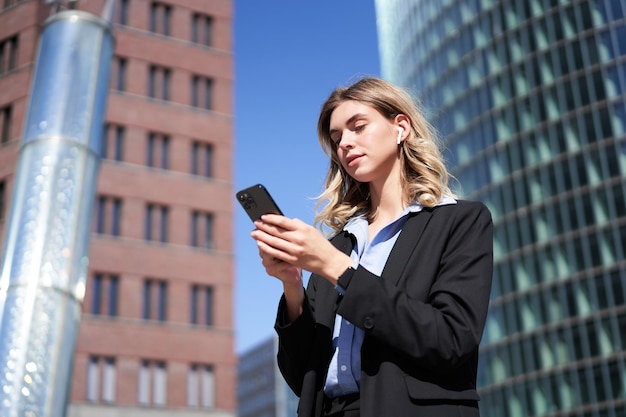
386,200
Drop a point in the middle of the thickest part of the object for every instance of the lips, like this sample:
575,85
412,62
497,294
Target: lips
352,159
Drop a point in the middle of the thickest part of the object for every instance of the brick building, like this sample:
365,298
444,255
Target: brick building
156,334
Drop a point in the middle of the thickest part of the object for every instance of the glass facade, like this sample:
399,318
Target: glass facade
262,390
529,97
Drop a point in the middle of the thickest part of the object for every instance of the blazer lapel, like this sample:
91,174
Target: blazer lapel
406,244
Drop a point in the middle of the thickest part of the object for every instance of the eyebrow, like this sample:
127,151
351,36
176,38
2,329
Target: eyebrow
349,121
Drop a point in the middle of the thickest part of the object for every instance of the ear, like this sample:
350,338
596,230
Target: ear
402,121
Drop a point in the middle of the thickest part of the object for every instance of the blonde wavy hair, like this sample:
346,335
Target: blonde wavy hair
424,175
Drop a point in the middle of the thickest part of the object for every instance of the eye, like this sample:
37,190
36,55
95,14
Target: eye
335,140
359,127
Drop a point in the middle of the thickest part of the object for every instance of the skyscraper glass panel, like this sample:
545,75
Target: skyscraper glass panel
529,97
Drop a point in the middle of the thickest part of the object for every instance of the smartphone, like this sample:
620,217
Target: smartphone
257,201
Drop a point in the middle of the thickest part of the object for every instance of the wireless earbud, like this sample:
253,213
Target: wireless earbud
400,132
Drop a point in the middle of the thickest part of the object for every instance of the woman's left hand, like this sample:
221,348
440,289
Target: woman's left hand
301,245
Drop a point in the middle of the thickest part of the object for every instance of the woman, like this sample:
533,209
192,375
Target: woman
394,310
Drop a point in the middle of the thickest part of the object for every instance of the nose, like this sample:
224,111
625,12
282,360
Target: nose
347,140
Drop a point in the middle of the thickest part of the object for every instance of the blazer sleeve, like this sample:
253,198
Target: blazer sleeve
295,340
433,309
305,345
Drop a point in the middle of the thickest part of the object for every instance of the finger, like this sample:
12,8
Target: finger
269,254
265,258
270,228
279,221
268,260
263,235
273,254
279,241
290,240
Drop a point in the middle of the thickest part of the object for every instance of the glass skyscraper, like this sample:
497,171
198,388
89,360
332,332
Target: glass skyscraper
529,97
262,390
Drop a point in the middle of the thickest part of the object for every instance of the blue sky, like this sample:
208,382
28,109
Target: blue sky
289,56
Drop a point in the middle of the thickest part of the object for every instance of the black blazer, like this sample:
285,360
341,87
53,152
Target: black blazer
423,319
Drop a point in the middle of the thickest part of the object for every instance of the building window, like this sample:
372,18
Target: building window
201,305
157,151
154,300
156,222
108,215
200,386
160,17
3,198
101,379
152,383
122,12
113,142
118,75
105,289
201,92
202,159
8,54
159,82
5,124
201,230
9,3
201,29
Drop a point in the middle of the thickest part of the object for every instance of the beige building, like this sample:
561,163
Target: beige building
156,335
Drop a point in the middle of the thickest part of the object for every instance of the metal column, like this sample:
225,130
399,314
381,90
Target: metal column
45,256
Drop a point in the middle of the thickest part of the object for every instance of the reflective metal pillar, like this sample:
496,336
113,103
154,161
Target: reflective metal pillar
45,256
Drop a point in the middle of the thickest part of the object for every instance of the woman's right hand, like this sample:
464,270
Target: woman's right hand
289,275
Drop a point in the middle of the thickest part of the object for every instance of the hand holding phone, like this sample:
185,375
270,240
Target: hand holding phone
257,201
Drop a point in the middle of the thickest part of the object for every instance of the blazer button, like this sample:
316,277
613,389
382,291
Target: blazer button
368,323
